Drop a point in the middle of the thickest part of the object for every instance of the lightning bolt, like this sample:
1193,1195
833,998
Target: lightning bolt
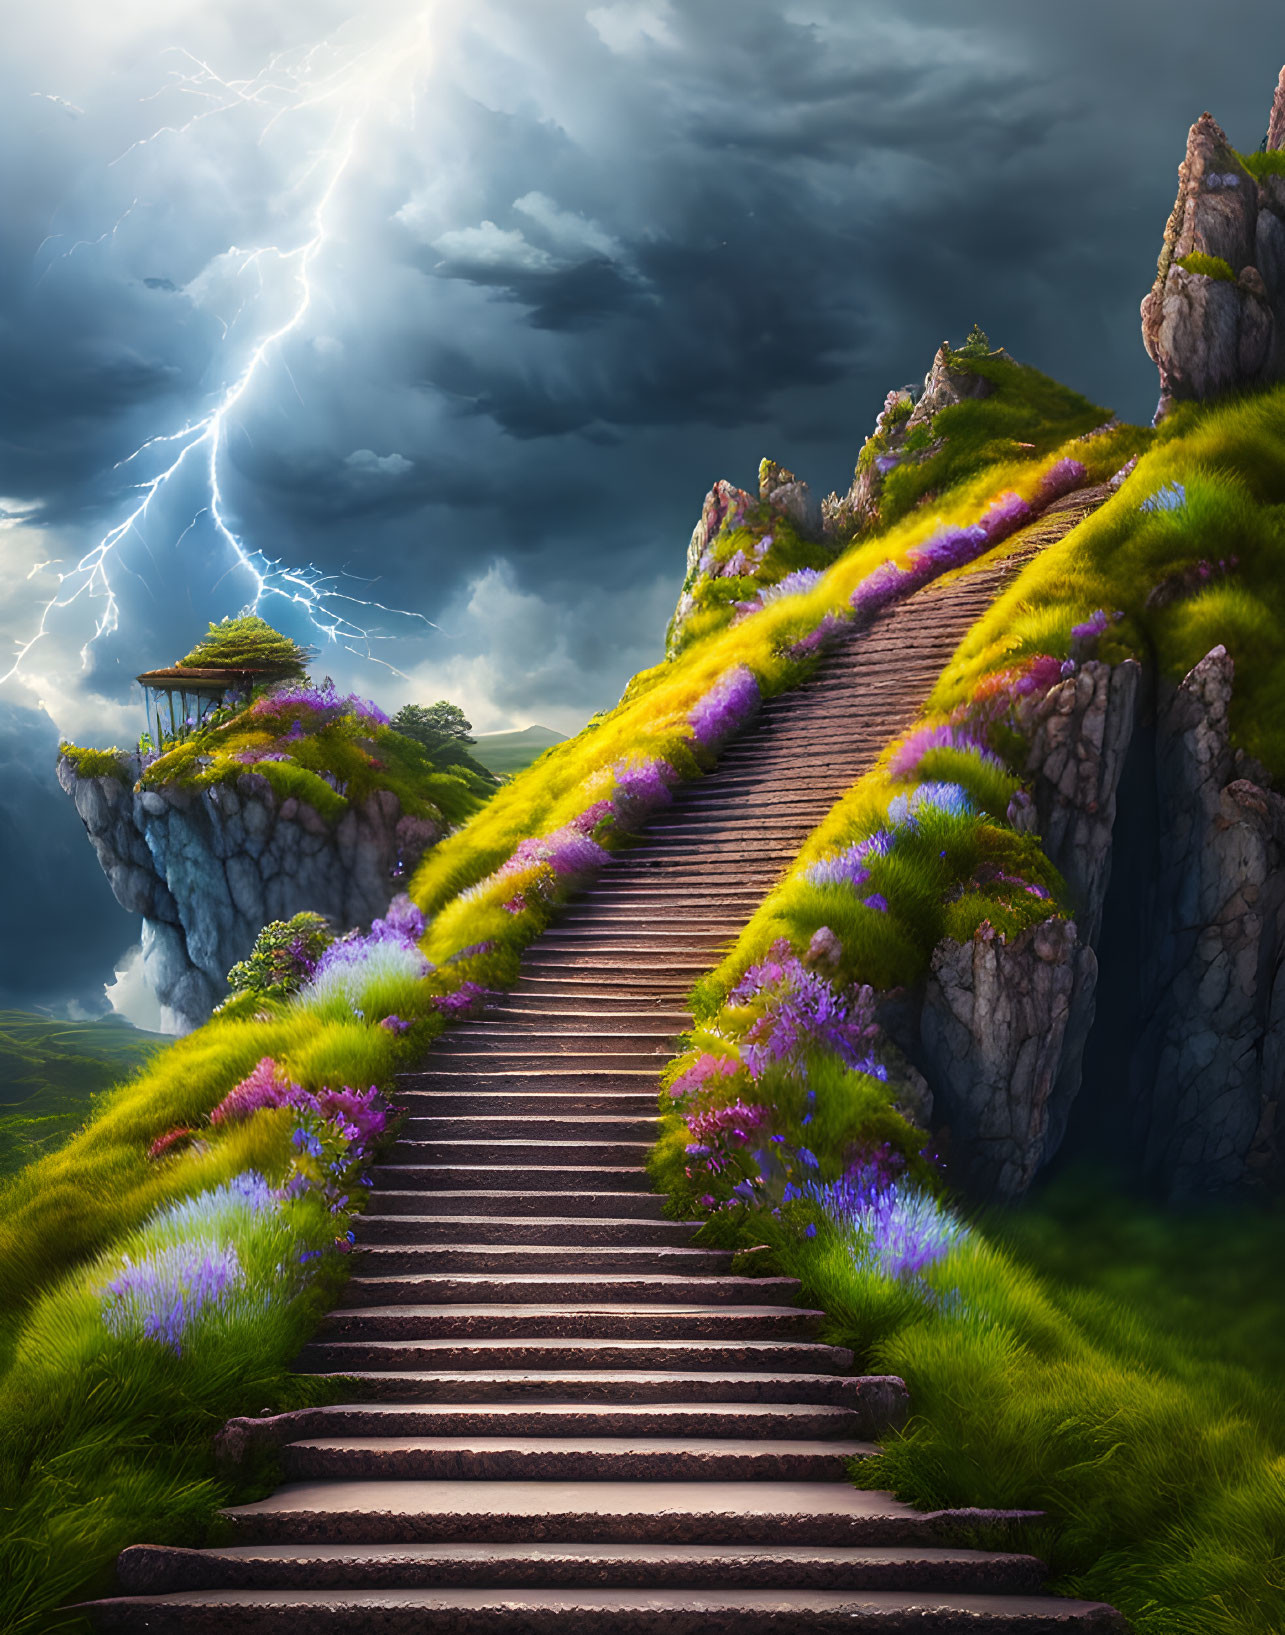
349,88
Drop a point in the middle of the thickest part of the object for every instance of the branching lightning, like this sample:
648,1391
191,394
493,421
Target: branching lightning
348,90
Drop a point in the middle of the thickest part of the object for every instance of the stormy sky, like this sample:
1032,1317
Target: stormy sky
432,326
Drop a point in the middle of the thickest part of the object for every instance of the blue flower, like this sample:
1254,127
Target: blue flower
809,1158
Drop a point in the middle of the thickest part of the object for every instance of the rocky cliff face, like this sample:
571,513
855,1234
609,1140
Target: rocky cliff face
1214,321
207,868
1181,891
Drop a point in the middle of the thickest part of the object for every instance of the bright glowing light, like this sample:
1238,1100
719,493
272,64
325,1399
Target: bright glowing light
348,87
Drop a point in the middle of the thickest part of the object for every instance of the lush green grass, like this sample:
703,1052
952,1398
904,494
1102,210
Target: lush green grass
335,761
1185,579
1264,164
50,1074
1044,1378
1115,1367
505,753
1026,417
1208,266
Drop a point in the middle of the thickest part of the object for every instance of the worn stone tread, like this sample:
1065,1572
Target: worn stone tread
625,1612
149,1569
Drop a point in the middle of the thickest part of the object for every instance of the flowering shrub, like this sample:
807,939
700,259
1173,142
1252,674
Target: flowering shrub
726,708
321,701
159,1298
354,967
795,1011
890,1226
284,957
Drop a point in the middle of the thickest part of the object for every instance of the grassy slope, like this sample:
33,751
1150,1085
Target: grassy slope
50,1073
1117,1368
86,1199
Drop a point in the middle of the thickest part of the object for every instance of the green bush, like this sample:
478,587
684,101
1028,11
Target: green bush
1207,266
247,643
98,763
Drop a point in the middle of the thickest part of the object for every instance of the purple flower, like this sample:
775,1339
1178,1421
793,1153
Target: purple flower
877,901
469,996
725,708
950,798
641,788
794,584
881,587
266,1086
158,1297
704,1072
911,751
1062,477
395,1024
402,922
798,1011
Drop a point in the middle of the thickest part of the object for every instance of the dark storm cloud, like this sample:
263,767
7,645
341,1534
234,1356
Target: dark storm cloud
621,249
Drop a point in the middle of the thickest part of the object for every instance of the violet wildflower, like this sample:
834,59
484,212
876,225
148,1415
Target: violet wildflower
893,1228
403,921
1062,477
725,708
794,584
266,1086
1093,626
877,901
159,1296
395,1024
468,997
911,751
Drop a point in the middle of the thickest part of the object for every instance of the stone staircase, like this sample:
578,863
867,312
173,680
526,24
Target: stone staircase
560,1414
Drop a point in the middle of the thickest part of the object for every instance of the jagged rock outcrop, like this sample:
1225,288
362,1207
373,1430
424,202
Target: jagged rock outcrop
1217,324
207,868
790,498
1207,1069
906,409
1179,885
1079,734
994,1030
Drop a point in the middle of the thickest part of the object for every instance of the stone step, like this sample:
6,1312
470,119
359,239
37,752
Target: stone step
343,1356
580,1232
555,1611
442,1179
577,930
600,1128
719,1421
543,1061
601,1091
566,1459
393,1260
575,1288
156,1570
585,1038
615,1154
607,1014
583,1204
880,1402
635,1512
596,1319
425,1097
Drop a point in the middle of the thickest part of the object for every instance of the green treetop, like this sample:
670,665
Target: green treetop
247,643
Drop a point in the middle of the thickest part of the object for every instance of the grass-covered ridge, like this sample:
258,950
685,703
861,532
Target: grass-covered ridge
791,1123
1025,417
373,1006
50,1072
326,749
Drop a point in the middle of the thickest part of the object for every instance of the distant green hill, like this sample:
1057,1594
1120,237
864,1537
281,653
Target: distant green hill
505,753
50,1072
